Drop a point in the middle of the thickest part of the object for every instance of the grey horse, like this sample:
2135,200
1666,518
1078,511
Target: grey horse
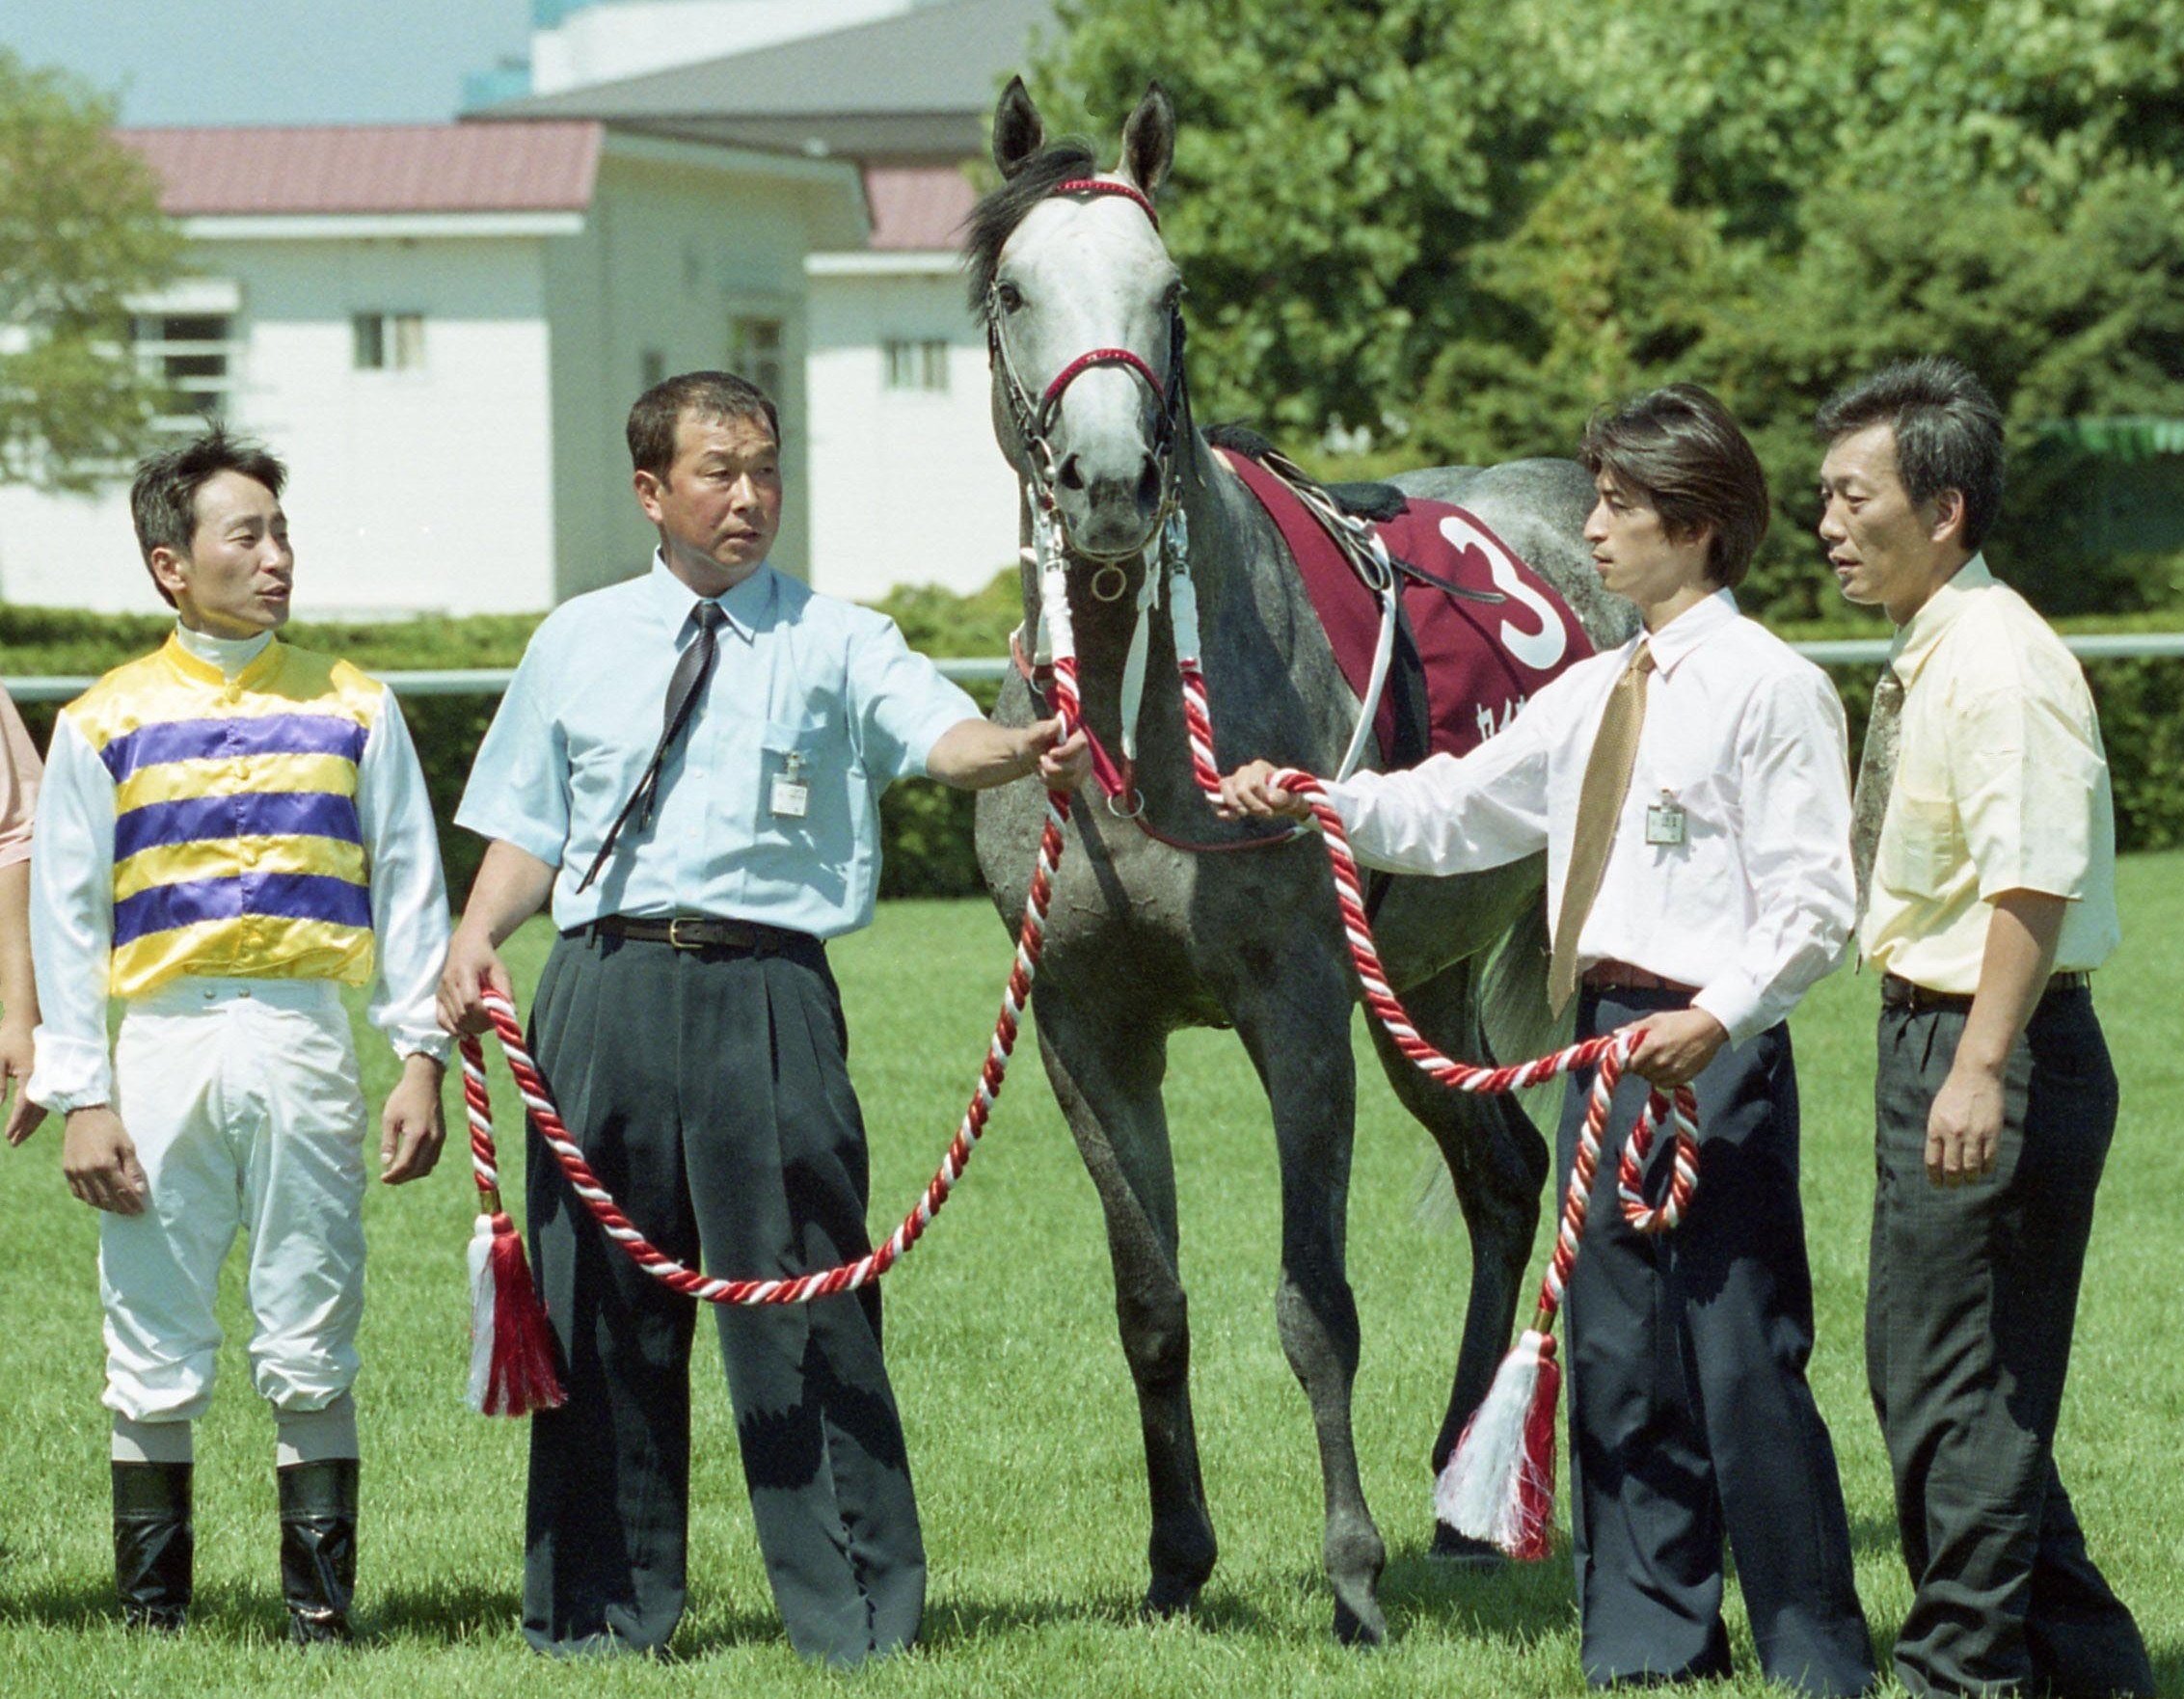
1143,938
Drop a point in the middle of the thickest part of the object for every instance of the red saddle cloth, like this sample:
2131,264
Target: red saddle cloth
1481,660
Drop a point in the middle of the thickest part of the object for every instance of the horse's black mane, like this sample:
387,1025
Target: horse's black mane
995,218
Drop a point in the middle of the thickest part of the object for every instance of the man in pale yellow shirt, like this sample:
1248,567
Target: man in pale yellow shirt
1989,897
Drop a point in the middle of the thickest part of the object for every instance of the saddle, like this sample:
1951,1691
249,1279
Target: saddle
1478,630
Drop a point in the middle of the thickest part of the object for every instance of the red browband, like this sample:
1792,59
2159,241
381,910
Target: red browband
1109,186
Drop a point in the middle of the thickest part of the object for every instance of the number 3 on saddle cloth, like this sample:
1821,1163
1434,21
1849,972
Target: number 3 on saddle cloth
1478,632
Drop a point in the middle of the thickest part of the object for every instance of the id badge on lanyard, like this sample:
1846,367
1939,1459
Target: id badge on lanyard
1664,820
789,797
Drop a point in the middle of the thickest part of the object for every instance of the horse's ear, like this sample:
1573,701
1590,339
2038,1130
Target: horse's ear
1148,140
1017,132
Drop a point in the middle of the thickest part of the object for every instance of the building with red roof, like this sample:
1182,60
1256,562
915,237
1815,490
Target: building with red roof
440,327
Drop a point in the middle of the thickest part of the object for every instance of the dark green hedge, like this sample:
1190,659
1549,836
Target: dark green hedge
927,828
448,729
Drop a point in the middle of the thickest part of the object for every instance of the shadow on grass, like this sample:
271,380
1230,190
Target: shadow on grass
2168,1665
1513,1602
236,1615
952,1621
1874,1536
460,1611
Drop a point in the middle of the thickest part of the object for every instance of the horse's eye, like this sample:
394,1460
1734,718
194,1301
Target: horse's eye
1008,297
1171,297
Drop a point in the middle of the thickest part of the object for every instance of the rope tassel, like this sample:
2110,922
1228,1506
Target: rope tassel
1500,1484
511,1348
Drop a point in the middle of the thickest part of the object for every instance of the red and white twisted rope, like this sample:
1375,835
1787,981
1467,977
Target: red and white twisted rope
1612,1051
538,1100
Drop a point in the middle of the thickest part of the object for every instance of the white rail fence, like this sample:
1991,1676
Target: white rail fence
491,681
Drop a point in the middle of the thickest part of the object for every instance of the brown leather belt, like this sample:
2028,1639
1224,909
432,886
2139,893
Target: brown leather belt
1621,975
700,931
1897,993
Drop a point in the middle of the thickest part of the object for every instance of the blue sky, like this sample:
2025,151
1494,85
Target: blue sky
200,61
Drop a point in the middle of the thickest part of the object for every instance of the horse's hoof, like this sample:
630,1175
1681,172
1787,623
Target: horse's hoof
1450,1546
1167,1599
1361,1624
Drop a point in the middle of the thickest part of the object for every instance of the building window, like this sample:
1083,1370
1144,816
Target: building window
389,341
651,368
195,355
757,354
915,364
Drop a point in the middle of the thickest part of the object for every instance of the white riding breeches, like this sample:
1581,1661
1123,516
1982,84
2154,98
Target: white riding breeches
242,1100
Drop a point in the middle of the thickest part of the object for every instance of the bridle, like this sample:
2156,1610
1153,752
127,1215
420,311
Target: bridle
1033,421
1053,661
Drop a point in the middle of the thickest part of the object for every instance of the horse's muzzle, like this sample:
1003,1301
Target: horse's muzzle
1108,518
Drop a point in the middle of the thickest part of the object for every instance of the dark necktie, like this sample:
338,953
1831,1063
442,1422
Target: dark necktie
1877,778
1600,807
692,667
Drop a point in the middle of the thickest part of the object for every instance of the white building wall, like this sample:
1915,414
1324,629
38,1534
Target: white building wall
908,486
418,490
671,257
628,38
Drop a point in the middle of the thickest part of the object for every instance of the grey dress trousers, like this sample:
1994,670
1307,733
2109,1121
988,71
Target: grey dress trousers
1969,1315
709,1091
1691,1419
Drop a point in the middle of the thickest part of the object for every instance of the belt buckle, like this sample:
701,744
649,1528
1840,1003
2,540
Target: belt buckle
675,937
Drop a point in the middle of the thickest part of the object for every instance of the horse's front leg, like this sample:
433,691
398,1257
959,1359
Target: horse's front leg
1296,1024
1107,1068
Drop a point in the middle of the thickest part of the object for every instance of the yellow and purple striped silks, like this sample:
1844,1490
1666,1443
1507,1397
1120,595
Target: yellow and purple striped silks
237,848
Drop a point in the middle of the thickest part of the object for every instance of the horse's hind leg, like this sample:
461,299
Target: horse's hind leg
1297,1028
1498,1163
1107,1072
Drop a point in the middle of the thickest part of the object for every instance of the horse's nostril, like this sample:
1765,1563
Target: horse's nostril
1149,482
1070,476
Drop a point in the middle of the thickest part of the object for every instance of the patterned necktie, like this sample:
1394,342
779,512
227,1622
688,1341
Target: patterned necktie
692,667
1877,778
1600,805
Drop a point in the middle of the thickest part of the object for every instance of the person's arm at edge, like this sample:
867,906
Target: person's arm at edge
19,770
18,1004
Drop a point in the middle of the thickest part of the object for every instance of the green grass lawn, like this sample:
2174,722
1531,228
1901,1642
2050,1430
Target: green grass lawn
1022,1426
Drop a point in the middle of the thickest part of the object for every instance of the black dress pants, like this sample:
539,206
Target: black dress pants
1969,1315
1691,1418
709,1091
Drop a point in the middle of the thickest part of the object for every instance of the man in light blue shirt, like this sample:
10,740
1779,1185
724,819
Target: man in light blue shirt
688,767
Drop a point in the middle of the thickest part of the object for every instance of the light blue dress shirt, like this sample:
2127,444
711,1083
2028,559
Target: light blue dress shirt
800,679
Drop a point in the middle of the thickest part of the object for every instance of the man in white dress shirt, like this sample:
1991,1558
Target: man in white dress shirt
1691,790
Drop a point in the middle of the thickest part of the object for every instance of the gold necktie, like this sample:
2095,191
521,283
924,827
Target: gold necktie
1876,779
1600,805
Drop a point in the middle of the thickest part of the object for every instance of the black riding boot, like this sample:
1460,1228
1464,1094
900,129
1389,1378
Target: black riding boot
318,1547
153,1544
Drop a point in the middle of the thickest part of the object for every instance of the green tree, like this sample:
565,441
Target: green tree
80,234
1466,227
